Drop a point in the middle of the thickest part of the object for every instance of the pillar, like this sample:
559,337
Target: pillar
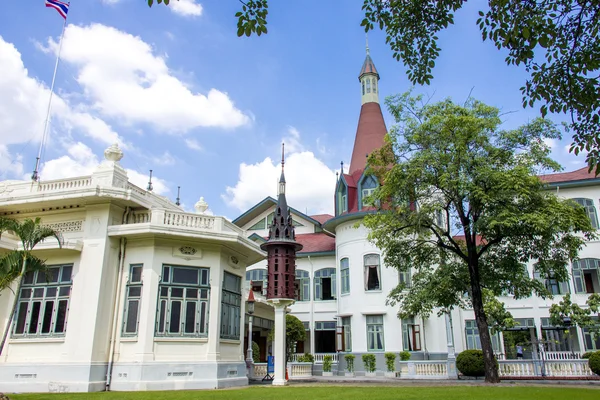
279,342
451,362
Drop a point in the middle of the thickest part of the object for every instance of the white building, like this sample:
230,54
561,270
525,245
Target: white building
343,284
141,295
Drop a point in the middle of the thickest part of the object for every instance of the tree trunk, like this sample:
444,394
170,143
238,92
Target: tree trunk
14,306
490,364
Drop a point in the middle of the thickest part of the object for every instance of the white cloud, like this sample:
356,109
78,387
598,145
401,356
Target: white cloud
186,8
123,78
310,183
80,160
193,144
292,141
10,165
24,101
164,159
111,2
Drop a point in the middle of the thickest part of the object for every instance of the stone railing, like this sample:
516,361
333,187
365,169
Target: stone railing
259,370
562,355
428,369
187,220
318,357
553,368
64,184
299,370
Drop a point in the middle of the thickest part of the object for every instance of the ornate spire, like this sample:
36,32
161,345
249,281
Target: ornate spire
367,35
282,178
369,78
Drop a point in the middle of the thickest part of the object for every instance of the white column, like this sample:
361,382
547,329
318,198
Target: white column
279,342
451,363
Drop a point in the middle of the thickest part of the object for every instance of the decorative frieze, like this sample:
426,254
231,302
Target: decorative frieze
66,226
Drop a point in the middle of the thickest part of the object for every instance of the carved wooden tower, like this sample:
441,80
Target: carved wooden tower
281,251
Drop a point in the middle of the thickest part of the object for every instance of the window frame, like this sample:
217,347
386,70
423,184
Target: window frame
303,285
590,209
345,275
578,269
231,307
346,323
132,283
318,290
373,329
37,291
202,299
367,272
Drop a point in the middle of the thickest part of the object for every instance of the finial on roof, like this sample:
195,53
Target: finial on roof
201,206
282,178
177,202
341,168
337,176
367,35
149,188
113,153
282,155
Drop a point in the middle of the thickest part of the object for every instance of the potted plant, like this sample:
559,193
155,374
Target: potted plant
349,364
390,360
404,356
370,364
327,363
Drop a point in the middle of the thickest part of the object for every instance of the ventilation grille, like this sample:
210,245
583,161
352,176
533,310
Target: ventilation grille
25,376
178,374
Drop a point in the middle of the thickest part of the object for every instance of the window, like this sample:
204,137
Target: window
368,186
261,224
411,335
133,299
590,209
345,275
347,333
372,270
405,278
325,284
342,198
555,287
374,85
363,87
473,340
43,303
231,301
585,275
368,85
375,333
591,337
183,302
325,336
303,285
257,275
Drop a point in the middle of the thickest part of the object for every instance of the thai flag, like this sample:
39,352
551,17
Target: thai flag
60,6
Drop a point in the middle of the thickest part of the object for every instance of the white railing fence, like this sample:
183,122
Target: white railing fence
317,356
552,368
562,355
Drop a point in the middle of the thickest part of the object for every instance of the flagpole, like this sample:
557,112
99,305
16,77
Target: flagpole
35,175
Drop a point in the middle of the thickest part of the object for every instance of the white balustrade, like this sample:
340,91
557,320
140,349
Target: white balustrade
431,368
260,370
300,370
140,217
188,220
64,184
517,368
562,355
136,189
568,368
319,357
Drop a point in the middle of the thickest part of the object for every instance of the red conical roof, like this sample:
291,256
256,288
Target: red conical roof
370,135
368,67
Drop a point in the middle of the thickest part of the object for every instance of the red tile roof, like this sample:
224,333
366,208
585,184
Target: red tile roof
370,135
368,67
578,175
316,242
322,218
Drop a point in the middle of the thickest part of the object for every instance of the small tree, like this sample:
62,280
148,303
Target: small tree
327,363
390,361
470,363
255,352
349,362
15,264
369,361
294,332
404,355
594,362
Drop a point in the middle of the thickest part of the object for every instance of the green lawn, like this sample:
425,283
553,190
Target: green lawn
344,393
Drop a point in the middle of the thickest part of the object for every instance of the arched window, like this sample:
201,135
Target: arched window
342,199
553,285
345,275
363,87
590,209
372,272
374,85
368,186
368,85
325,284
586,275
303,285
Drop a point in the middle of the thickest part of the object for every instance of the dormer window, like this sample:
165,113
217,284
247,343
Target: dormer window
342,199
368,85
363,87
368,186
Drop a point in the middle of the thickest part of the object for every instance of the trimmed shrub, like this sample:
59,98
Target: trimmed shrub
390,360
306,357
370,362
349,362
470,363
327,363
594,362
255,352
404,355
586,355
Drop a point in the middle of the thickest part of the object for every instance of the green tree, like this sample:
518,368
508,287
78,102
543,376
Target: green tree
565,313
556,41
294,332
16,263
462,205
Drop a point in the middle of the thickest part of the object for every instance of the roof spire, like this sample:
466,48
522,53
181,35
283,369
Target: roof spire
282,178
367,35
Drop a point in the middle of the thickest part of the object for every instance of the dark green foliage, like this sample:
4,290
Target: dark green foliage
594,362
255,352
294,332
470,363
349,362
390,360
327,363
306,357
404,355
586,355
369,361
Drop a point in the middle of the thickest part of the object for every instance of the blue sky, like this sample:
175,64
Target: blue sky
207,110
